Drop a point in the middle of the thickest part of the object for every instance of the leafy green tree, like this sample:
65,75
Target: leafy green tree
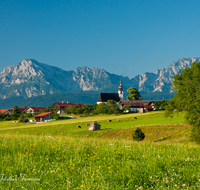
86,109
133,94
22,116
7,118
157,104
161,104
111,103
15,114
94,109
187,97
55,112
68,109
2,116
29,115
75,110
164,104
102,108
112,107
48,109
126,108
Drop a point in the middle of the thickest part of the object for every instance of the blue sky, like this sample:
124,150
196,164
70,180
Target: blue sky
125,37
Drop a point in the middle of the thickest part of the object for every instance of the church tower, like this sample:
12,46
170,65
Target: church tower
120,91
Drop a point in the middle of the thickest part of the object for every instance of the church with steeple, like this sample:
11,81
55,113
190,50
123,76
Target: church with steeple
104,97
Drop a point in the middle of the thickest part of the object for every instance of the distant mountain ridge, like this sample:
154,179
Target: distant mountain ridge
31,78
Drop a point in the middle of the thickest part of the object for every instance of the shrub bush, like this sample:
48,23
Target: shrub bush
138,135
7,118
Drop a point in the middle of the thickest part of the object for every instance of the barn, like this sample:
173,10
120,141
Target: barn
43,116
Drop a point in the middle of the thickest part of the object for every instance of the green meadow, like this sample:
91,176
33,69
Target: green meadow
58,155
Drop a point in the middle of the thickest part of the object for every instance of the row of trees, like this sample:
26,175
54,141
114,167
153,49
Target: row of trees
110,108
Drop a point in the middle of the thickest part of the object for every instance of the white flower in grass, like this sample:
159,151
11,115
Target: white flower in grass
183,185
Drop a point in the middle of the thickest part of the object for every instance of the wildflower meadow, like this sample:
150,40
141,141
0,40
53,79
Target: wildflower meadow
42,157
69,163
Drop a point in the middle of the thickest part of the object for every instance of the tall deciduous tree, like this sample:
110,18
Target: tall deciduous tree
133,94
187,97
15,113
55,112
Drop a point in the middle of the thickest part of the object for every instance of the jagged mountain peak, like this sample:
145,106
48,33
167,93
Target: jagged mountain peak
178,65
89,69
20,73
31,78
26,63
90,78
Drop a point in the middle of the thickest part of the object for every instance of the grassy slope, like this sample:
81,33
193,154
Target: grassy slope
155,126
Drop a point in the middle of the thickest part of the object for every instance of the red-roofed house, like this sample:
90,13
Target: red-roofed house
43,116
35,109
6,111
134,107
21,109
62,105
148,108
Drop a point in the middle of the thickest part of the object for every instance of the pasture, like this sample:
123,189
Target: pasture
58,155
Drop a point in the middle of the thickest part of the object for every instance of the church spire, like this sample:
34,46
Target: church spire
120,86
120,91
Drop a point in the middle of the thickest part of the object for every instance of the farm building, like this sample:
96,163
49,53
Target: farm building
43,116
152,103
35,109
94,126
22,109
62,105
148,108
136,105
6,111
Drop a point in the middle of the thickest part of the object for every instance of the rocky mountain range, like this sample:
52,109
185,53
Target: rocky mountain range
31,78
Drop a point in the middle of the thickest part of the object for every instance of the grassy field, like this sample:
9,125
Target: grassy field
154,124
58,155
